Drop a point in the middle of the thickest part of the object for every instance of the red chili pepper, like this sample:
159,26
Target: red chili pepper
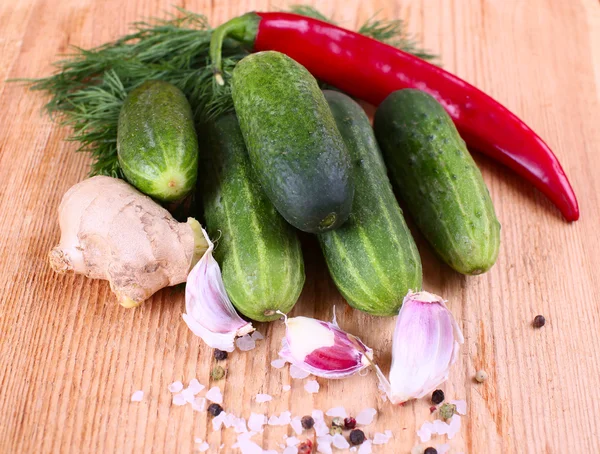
370,70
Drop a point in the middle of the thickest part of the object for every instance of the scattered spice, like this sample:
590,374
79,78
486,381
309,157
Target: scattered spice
215,409
220,355
481,376
305,448
357,437
349,423
335,430
437,397
430,450
539,321
217,373
447,410
307,422
337,422
432,409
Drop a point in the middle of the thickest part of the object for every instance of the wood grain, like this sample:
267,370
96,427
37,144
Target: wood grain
70,358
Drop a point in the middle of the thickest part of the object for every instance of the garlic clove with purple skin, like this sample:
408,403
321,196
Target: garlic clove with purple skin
323,349
426,343
210,314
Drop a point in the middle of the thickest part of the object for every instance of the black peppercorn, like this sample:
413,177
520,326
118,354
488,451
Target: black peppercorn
437,397
215,409
539,321
430,451
307,422
357,437
220,355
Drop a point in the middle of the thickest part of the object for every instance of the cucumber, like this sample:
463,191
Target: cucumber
259,253
372,258
156,141
294,146
438,179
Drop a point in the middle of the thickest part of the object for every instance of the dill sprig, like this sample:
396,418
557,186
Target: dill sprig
89,86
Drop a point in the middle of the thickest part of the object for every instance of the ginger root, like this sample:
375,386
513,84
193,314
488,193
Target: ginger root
111,231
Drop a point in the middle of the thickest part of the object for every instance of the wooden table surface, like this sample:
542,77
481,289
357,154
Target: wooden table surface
70,357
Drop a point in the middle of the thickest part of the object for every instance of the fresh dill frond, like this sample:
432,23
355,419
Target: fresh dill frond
89,86
309,11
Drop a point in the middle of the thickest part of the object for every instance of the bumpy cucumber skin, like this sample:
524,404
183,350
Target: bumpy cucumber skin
156,141
438,179
259,253
372,258
294,146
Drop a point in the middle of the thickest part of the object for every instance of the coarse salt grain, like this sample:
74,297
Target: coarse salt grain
381,438
321,428
454,426
296,424
197,440
337,412
245,343
365,417
218,421
257,336
199,404
312,386
179,400
296,372
256,422
176,386
340,442
278,363
442,449
365,448
292,441
324,444
425,431
137,396
285,418
214,395
195,386
290,450
239,425
260,398
286,388
204,446
317,414
417,449
461,406
188,395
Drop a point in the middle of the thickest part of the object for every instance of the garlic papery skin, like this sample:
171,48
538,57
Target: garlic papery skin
323,349
209,312
426,343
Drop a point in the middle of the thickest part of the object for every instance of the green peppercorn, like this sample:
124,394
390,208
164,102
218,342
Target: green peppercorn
335,430
447,410
217,373
337,421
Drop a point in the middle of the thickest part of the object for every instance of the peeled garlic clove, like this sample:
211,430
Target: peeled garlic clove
210,314
323,349
425,345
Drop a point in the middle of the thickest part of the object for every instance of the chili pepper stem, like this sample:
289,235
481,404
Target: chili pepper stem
243,29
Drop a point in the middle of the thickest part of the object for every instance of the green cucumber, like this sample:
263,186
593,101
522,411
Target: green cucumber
156,141
259,253
372,258
296,151
438,179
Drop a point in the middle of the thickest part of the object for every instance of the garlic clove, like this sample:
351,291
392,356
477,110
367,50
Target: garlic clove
426,343
209,312
323,349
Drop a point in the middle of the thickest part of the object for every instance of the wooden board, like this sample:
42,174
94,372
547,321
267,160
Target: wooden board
70,358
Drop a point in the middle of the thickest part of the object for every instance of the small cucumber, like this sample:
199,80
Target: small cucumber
156,141
294,146
438,179
372,258
259,253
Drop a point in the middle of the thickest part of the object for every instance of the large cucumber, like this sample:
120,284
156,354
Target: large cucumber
259,253
437,177
156,141
372,258
295,148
